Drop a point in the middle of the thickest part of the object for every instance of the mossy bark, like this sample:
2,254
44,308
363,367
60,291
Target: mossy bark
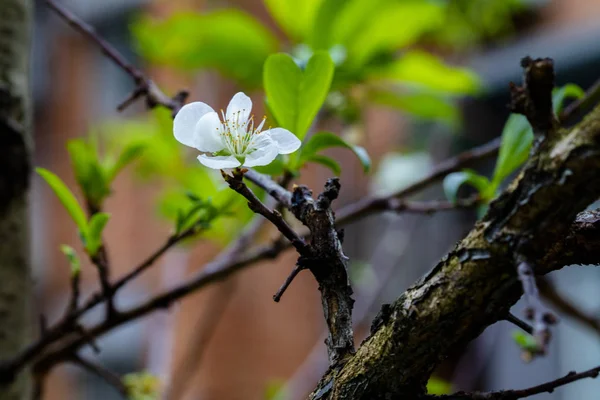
15,145
476,283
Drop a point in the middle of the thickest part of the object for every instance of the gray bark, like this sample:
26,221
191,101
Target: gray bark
15,149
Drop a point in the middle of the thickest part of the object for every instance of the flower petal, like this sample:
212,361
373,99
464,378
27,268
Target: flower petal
266,151
186,119
285,140
240,103
218,162
208,133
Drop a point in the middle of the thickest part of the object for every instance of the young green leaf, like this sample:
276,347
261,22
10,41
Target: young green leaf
67,199
295,96
96,226
517,138
517,135
128,155
453,182
89,173
560,94
438,387
73,259
142,386
325,140
526,341
327,162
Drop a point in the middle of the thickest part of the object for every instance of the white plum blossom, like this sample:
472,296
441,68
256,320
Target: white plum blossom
232,140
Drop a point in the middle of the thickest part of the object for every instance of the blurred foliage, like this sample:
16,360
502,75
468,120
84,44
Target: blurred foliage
142,386
191,194
437,386
73,258
90,231
528,344
469,23
342,56
370,41
228,40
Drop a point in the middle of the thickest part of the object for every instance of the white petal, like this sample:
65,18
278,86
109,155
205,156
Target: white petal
240,103
285,140
186,119
266,151
208,133
218,162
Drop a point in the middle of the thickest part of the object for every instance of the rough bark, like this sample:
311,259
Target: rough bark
15,140
476,283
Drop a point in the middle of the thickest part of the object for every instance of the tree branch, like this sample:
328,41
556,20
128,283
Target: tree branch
547,387
98,370
476,283
144,86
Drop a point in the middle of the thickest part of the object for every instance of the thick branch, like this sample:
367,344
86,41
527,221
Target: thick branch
329,266
476,283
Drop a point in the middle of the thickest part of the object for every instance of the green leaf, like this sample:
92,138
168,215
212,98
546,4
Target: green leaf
67,199
517,135
96,226
142,386
294,17
324,140
429,106
424,70
517,138
295,96
275,390
89,173
129,154
73,259
397,25
525,341
327,162
231,41
560,94
348,19
438,387
453,182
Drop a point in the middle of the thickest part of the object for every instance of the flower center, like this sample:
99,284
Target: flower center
238,135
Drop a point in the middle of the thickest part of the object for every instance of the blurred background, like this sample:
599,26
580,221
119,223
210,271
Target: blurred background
435,84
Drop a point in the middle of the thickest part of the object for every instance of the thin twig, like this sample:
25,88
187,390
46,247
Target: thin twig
74,301
148,262
102,265
275,190
513,319
236,182
536,312
547,387
98,370
287,282
144,86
